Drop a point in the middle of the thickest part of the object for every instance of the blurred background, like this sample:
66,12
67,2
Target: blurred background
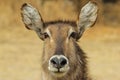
20,49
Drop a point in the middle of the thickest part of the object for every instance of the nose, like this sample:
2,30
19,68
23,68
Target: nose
58,61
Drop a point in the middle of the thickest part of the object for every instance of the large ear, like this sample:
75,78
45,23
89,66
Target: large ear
87,17
32,19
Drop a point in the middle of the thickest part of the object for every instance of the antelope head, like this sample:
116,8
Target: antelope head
60,37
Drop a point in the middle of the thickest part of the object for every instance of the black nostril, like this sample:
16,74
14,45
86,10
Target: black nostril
54,61
62,62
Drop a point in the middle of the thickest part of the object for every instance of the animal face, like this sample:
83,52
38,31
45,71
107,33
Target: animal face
60,51
59,47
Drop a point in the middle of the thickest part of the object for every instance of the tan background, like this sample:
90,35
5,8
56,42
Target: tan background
20,49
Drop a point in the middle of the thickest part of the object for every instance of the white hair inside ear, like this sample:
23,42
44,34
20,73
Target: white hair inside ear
88,15
32,19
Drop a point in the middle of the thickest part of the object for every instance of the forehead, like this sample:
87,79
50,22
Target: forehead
60,26
59,31
72,23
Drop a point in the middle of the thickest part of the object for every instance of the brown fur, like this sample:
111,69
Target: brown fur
77,58
60,39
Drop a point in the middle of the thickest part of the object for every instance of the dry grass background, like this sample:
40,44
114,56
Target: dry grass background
20,49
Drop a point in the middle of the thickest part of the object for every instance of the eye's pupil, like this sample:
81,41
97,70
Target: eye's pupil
73,35
46,35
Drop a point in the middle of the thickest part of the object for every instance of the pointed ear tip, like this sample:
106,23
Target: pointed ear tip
24,5
93,2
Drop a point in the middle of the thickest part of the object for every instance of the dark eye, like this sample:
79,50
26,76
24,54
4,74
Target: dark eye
46,35
73,35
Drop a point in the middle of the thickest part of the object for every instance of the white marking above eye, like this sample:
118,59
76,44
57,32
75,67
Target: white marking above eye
69,33
48,32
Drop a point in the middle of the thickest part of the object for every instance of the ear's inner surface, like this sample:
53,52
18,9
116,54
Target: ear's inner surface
87,17
32,19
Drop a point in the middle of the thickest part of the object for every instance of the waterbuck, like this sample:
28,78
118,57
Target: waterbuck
62,58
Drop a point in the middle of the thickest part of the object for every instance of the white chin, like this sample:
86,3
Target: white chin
58,74
62,72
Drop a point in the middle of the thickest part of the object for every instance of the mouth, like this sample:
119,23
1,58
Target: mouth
58,72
